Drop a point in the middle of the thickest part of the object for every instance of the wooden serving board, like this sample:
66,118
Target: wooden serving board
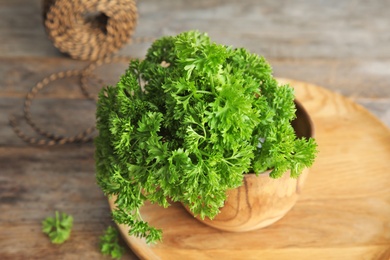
343,212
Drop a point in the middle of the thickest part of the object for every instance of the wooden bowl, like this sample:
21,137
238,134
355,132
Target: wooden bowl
262,200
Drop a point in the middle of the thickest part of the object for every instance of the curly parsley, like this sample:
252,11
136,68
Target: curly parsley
187,122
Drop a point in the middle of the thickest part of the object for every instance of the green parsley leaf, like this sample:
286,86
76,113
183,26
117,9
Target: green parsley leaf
58,228
109,244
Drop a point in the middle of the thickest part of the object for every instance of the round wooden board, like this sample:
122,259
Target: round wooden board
343,212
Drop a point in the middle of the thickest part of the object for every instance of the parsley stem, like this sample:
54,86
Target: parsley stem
204,92
202,152
227,162
57,221
212,85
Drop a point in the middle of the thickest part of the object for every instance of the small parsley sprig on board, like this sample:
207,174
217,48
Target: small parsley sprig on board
187,122
58,228
109,243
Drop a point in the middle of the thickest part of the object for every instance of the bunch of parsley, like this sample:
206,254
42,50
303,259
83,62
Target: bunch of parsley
187,122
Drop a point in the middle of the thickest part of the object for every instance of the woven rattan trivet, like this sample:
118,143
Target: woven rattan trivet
89,29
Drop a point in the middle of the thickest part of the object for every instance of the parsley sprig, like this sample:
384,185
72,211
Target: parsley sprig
109,243
190,130
58,228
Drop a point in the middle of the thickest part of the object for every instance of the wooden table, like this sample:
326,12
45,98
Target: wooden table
341,46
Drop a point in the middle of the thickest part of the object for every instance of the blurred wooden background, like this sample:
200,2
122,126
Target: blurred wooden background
340,45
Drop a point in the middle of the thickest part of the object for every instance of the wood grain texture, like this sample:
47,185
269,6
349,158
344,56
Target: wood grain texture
259,202
339,45
343,211
34,182
344,47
